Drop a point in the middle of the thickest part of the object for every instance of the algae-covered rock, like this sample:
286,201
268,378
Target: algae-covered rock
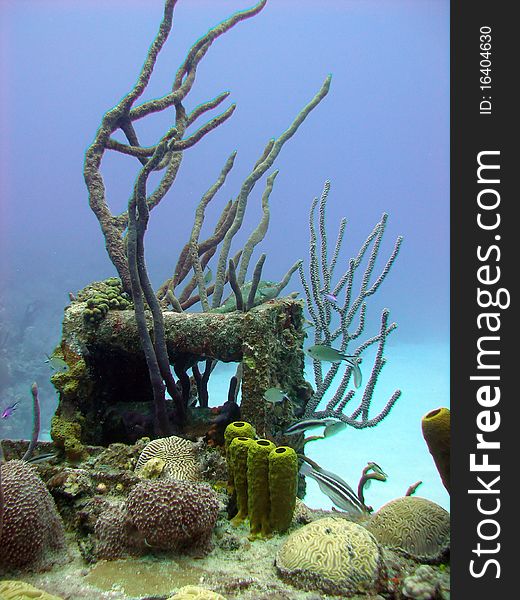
66,435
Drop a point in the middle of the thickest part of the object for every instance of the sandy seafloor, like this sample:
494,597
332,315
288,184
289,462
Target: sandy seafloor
396,444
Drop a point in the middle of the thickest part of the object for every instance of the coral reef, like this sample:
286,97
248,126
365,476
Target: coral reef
177,454
436,432
19,590
415,526
426,584
331,555
32,528
194,592
162,514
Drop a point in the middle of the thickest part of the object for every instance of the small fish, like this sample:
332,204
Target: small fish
208,276
306,424
9,410
376,469
42,458
328,354
330,297
274,395
338,490
57,364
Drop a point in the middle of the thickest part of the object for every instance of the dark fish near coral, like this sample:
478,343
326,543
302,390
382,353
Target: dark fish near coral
338,490
9,410
57,364
328,354
332,426
41,458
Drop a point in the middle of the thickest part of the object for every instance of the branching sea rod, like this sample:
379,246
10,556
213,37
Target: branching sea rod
125,233
323,306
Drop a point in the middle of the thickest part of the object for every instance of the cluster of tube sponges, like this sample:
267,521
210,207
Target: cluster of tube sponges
102,297
263,478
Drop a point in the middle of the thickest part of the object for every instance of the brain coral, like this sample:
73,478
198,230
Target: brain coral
19,590
32,526
178,455
172,514
194,592
331,555
415,526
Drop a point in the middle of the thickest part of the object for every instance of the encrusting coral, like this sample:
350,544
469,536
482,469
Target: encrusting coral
414,526
331,555
32,527
436,432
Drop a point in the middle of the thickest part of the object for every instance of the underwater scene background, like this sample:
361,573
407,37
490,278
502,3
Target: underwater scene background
380,136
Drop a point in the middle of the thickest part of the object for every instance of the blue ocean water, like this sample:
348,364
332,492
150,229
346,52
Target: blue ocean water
381,136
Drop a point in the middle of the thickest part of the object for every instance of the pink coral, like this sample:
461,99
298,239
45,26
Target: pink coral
32,526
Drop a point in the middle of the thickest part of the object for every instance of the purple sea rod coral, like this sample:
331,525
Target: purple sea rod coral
32,527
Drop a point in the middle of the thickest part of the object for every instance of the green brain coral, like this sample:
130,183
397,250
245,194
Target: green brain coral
331,555
414,526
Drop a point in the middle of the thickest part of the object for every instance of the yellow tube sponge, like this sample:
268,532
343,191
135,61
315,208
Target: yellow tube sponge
258,487
436,432
238,429
238,451
283,484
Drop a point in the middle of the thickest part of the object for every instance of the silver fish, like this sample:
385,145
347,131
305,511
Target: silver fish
274,395
301,426
328,354
338,490
57,364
